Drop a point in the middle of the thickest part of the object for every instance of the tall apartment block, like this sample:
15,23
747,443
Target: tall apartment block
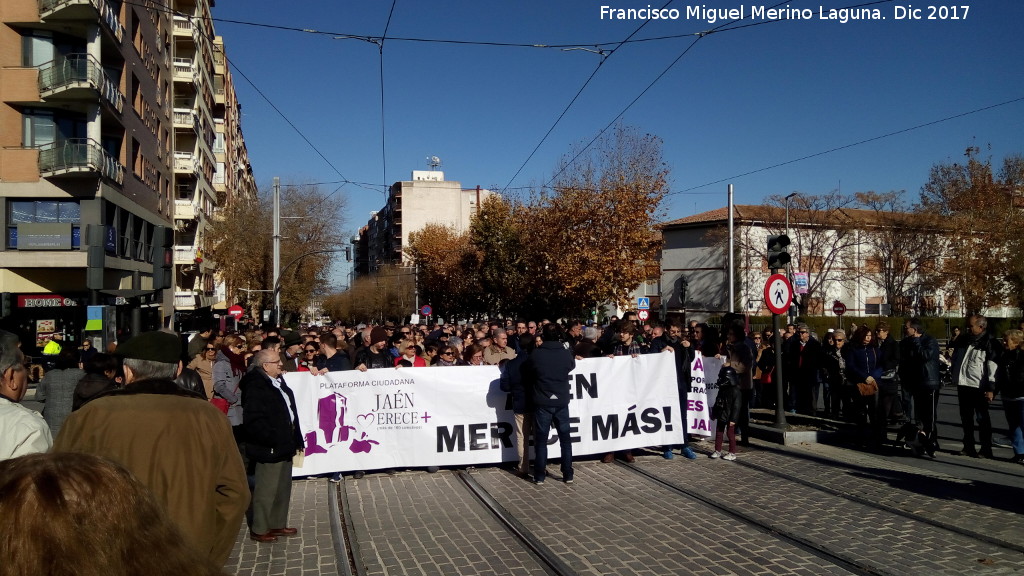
119,137
426,198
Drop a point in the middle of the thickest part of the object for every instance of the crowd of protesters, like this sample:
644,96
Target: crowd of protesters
123,407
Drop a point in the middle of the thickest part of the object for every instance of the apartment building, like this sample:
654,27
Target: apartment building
427,198
107,162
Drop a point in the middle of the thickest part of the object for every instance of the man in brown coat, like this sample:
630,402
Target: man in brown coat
173,440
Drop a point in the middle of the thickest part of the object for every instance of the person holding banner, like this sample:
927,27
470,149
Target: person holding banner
546,373
627,345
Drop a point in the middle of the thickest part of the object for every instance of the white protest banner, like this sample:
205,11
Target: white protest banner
702,395
458,416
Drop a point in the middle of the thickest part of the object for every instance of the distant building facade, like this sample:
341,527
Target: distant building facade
108,165
694,255
427,198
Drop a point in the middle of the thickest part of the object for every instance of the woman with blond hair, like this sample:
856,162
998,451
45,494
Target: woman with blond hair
74,514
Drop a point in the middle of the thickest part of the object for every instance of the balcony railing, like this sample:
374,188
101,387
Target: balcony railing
183,161
183,25
183,68
77,69
107,13
79,155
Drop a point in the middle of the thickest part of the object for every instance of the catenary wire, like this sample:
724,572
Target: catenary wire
604,58
852,144
383,134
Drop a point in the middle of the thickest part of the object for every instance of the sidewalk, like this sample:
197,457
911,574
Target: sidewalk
309,553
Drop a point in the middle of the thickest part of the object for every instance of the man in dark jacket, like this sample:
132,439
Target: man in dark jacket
272,437
546,373
801,358
522,409
919,374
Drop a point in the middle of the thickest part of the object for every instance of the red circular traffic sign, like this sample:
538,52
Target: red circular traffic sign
236,311
643,314
839,308
778,293
426,310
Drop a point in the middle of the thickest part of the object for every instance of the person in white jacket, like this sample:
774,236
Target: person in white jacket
22,431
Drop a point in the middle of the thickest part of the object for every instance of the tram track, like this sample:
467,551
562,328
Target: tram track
833,557
1002,543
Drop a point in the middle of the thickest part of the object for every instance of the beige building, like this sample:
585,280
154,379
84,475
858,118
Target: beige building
427,198
108,127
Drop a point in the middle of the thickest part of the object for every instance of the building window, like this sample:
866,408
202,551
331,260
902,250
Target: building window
43,212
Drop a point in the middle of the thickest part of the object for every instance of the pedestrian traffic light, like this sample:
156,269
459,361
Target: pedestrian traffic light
778,256
163,257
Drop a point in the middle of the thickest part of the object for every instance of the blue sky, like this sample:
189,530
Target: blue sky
737,101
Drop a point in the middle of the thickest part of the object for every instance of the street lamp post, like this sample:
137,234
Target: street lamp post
277,283
789,275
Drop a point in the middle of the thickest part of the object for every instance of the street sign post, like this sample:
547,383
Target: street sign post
643,303
426,310
839,308
236,311
643,315
778,294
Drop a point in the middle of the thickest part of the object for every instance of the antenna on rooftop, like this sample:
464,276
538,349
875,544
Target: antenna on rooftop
434,162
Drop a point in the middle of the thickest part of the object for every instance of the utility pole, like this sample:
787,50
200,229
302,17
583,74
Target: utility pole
277,249
732,251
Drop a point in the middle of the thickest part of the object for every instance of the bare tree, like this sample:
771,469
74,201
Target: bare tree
903,249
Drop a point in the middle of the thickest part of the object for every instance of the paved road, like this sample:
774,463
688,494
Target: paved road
809,509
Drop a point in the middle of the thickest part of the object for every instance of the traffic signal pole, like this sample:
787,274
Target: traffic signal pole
778,258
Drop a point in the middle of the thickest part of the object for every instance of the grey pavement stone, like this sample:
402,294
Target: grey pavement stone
311,549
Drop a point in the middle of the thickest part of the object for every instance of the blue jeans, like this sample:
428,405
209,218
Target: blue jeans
543,418
1014,410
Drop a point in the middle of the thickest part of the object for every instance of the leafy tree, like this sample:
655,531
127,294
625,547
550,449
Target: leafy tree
498,234
593,239
447,267
982,211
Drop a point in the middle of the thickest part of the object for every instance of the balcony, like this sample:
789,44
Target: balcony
185,162
78,77
184,301
184,70
185,210
51,10
79,156
183,26
186,119
184,255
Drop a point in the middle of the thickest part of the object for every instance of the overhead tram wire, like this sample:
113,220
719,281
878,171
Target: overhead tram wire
725,27
604,58
292,124
852,144
383,134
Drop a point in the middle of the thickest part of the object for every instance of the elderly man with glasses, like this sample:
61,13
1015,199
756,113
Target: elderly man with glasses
801,358
272,437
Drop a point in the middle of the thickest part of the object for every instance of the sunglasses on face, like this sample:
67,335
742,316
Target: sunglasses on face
209,349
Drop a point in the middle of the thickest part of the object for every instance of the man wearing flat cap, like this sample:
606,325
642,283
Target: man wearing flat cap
290,350
173,440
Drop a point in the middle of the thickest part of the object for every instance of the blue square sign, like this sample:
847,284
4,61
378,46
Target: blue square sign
643,303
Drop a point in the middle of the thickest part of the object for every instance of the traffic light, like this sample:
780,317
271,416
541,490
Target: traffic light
778,256
163,257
